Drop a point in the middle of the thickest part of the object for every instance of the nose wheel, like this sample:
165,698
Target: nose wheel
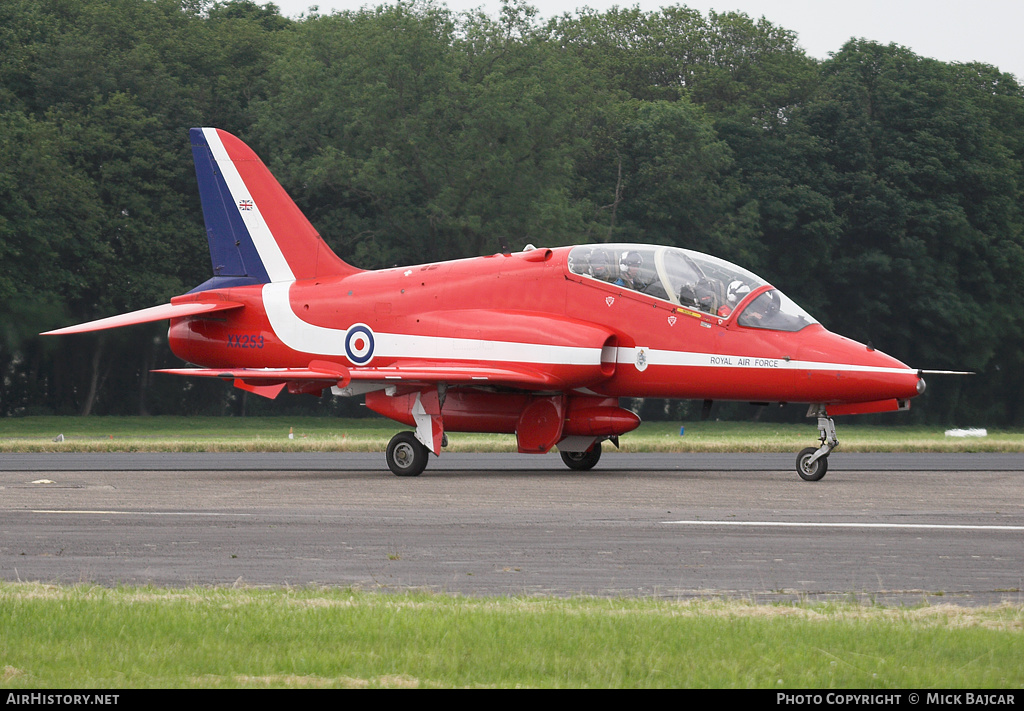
812,462
808,468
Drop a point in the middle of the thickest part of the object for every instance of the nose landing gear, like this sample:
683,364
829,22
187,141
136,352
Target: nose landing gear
812,462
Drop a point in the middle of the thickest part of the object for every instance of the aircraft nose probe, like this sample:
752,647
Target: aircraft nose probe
921,386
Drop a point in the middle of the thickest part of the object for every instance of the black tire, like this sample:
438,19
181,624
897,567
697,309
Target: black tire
405,455
816,470
582,461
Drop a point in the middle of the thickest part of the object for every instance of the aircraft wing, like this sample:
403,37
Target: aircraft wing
154,313
268,376
515,377
338,374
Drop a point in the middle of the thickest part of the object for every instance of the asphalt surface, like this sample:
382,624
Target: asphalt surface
612,461
890,528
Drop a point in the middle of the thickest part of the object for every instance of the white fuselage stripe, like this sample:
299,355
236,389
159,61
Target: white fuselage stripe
302,336
267,247
628,356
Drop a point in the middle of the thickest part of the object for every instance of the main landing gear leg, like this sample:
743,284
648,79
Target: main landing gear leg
812,462
407,451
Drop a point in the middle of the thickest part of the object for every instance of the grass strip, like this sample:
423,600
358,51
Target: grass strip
93,637
316,434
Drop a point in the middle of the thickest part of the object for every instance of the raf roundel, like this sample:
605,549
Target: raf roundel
359,344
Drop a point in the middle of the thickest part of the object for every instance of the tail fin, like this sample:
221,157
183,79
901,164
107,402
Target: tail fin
257,234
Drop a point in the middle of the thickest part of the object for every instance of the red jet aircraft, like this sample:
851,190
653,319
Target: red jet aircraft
541,343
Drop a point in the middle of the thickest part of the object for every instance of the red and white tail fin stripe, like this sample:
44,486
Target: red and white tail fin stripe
288,245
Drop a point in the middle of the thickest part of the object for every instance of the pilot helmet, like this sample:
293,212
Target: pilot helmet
737,292
600,264
630,259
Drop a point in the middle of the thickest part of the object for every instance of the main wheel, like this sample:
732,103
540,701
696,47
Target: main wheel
405,455
582,461
813,471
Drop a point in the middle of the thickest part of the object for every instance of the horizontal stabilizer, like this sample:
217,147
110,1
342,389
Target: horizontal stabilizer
154,313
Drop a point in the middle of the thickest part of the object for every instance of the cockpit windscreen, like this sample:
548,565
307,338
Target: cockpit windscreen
690,279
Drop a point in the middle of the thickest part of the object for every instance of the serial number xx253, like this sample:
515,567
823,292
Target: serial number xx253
245,340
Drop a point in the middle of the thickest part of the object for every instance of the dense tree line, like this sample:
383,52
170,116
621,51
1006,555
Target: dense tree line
881,190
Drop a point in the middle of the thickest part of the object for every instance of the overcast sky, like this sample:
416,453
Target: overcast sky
951,30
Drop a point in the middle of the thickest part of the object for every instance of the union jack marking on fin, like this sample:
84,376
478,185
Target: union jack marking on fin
245,205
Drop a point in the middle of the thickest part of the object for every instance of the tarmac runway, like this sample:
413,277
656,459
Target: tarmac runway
889,528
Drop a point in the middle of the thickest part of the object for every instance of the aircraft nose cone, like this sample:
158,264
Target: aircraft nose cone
847,371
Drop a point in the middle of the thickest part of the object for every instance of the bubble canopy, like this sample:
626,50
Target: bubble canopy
691,280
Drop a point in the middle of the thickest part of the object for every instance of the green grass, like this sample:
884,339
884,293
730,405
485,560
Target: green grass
311,434
767,437
84,637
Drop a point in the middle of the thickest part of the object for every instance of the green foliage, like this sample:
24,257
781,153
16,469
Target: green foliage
672,181
879,189
99,211
727,62
428,138
930,235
